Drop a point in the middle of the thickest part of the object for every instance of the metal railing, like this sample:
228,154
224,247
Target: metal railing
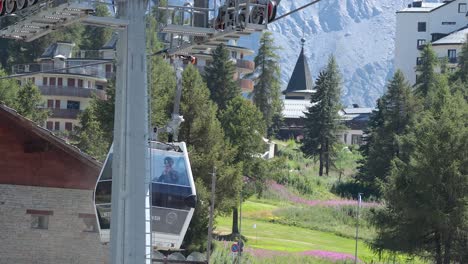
65,113
97,71
88,54
72,91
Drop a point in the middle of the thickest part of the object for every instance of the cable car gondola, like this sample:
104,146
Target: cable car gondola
171,192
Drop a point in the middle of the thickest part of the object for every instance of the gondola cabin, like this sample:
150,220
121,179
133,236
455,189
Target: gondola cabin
171,192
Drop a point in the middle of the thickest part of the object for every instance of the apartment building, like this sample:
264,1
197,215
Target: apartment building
68,79
442,24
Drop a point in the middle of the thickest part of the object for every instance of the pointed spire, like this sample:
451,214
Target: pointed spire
300,78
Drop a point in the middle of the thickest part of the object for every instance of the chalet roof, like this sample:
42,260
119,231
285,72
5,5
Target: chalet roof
301,78
457,37
356,117
112,43
49,136
422,7
28,130
294,108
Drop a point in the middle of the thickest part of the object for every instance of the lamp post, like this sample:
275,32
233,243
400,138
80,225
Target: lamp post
357,228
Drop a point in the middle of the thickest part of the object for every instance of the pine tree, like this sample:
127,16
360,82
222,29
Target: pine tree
395,113
267,91
219,78
426,72
204,136
94,37
8,90
425,210
90,136
162,91
462,72
322,121
243,125
104,111
28,102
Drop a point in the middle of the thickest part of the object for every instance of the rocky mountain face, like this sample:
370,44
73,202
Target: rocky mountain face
359,33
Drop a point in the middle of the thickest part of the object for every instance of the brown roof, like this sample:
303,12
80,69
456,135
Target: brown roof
34,156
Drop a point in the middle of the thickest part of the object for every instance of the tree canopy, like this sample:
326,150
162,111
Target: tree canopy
267,90
322,121
395,113
219,78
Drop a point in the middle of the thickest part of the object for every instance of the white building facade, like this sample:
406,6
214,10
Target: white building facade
67,85
422,23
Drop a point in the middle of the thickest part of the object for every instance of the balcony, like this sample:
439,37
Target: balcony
245,66
246,85
72,67
451,60
65,113
72,91
92,54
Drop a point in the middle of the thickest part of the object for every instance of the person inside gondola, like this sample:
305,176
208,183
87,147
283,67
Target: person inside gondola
169,174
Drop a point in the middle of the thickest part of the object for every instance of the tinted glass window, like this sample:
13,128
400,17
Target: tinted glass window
169,168
421,26
73,105
104,216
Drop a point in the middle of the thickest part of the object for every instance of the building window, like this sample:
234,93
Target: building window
39,221
448,23
99,87
60,81
57,126
32,80
57,103
49,125
462,8
80,83
52,81
108,68
44,81
356,139
50,103
419,60
452,55
421,26
234,54
68,126
89,222
345,138
73,105
421,43
89,85
39,218
71,82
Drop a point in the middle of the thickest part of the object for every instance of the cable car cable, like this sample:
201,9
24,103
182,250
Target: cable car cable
294,11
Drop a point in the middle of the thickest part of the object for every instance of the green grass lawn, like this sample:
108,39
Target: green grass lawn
291,239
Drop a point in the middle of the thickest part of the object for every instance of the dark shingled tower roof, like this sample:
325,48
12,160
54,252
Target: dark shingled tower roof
300,78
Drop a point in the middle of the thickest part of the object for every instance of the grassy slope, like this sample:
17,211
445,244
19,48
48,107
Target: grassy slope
303,233
278,237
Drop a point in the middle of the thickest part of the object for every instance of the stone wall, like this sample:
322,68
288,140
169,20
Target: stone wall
66,239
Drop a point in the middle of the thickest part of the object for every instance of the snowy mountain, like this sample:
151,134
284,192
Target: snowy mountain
360,33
